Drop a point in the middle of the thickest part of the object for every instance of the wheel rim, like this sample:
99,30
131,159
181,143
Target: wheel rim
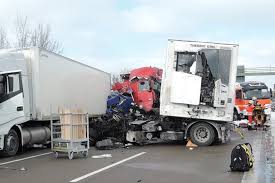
12,143
202,134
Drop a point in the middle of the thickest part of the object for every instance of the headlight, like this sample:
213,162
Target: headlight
140,106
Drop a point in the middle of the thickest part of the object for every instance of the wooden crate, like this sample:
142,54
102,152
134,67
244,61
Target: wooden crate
72,116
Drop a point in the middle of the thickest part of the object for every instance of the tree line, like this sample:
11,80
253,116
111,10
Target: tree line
26,36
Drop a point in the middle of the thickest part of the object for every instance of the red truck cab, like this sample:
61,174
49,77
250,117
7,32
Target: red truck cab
144,83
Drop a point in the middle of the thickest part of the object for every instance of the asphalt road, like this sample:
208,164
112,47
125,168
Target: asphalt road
160,163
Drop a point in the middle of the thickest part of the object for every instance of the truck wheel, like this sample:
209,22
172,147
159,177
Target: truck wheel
11,143
202,134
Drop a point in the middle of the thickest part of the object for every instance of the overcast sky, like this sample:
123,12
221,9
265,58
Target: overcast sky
118,34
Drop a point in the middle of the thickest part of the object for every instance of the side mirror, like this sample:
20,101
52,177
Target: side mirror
10,79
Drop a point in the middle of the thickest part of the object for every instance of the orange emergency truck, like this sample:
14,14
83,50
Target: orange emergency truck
245,92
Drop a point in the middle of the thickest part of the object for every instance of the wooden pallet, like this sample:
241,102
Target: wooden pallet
72,116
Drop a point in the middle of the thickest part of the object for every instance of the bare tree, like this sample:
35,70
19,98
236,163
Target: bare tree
39,36
22,32
4,43
117,77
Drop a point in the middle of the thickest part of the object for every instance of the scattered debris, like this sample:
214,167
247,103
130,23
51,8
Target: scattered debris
241,123
128,145
23,169
239,131
108,144
11,168
190,145
105,144
102,156
139,180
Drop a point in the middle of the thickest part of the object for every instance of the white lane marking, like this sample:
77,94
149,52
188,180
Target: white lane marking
106,167
22,159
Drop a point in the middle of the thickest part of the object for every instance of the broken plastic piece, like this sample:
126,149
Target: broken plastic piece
105,144
190,145
102,156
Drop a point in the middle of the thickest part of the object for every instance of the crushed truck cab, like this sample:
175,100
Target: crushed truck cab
197,94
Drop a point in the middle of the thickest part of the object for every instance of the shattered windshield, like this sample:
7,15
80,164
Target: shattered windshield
217,60
219,63
144,86
258,93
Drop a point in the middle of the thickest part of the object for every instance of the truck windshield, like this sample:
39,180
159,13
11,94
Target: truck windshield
258,93
144,86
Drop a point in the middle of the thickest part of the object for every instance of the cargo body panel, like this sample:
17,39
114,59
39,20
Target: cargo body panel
222,61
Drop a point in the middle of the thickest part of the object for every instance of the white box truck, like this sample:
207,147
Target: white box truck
34,83
197,95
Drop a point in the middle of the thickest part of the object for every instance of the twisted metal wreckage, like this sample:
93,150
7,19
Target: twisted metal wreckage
137,99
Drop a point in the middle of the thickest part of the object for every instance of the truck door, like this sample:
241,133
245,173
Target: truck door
11,97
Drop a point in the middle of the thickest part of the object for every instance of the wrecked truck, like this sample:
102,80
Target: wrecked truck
136,97
196,96
143,85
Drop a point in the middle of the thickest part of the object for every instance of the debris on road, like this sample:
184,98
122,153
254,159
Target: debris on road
102,156
23,169
241,123
190,145
239,131
108,144
128,145
11,168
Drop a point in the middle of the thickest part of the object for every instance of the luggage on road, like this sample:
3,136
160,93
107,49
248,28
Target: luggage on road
242,158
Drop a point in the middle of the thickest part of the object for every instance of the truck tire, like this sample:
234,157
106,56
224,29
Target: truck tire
202,134
11,143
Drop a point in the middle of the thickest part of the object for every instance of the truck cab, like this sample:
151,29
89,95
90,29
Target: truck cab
144,84
11,109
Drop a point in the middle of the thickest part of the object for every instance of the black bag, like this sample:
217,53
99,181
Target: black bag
242,158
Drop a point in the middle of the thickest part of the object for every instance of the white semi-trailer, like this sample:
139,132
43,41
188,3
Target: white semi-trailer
197,95
34,83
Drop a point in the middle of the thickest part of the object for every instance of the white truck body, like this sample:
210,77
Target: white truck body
49,81
197,95
181,91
